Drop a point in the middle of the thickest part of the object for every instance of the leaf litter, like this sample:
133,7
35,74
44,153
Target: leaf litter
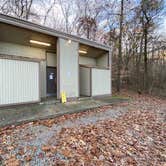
131,133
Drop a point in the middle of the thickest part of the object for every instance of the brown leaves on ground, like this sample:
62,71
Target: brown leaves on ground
137,137
133,139
12,161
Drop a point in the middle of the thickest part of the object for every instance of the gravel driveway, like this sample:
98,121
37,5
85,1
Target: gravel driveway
103,136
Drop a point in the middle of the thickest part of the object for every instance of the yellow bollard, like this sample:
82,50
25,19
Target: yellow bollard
63,97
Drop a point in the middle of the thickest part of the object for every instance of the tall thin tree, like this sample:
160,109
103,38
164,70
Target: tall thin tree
120,47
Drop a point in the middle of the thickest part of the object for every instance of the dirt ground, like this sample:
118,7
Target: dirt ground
131,133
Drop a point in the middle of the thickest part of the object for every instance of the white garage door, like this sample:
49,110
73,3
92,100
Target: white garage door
19,81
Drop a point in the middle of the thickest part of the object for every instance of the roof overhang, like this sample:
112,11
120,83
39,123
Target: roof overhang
42,29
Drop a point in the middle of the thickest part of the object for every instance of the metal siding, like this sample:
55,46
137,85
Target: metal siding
110,66
19,81
100,82
85,81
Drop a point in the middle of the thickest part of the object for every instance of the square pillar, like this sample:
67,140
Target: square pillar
68,68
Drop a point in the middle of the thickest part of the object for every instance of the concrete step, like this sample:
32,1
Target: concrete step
50,100
84,98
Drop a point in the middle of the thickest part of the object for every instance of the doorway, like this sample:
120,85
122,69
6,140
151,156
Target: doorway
51,81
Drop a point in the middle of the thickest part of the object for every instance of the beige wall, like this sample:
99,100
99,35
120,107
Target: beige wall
101,82
67,54
85,81
83,60
21,50
51,59
43,80
102,61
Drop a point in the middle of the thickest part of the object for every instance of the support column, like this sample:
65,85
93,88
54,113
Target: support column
68,68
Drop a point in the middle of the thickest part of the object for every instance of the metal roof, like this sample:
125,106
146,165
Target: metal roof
42,29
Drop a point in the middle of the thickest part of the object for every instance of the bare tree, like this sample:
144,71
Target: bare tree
120,46
148,10
18,8
48,11
87,22
67,9
87,26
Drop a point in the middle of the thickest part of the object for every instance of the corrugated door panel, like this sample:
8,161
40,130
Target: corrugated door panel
101,82
19,81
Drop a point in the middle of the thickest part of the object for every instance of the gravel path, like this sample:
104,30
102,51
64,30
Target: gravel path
35,136
47,133
123,134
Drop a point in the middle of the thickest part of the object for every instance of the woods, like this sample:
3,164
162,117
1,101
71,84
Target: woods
130,28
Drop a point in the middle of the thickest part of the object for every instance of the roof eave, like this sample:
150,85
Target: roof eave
42,29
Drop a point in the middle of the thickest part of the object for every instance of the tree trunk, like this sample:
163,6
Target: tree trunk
145,59
120,48
138,65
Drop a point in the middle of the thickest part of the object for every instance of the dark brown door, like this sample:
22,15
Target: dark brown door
51,81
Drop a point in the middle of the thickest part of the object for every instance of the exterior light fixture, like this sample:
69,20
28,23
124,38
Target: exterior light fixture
82,52
39,43
69,41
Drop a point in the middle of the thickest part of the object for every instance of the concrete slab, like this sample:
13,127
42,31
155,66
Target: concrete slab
26,113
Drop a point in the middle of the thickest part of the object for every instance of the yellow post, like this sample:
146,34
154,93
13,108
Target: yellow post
63,97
